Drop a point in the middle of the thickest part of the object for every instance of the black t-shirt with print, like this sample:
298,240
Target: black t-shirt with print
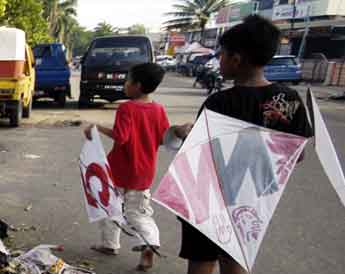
274,106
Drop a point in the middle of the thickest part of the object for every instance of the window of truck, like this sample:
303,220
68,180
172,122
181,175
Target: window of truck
114,50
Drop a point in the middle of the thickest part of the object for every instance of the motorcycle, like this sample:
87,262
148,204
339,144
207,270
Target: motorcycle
215,81
209,77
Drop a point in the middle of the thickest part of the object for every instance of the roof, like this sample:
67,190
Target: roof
122,35
49,44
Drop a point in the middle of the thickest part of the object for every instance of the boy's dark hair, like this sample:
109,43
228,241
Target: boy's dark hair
149,75
256,40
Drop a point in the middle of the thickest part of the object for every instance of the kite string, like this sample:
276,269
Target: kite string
220,187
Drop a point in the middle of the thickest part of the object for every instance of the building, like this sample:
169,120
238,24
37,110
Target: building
324,18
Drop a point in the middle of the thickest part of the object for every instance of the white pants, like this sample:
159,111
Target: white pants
138,212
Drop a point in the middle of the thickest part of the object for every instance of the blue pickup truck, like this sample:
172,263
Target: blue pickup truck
52,73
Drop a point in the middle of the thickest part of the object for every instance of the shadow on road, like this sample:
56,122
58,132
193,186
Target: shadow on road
73,105
197,93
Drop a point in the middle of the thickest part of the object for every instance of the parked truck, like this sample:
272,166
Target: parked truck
106,64
17,76
52,72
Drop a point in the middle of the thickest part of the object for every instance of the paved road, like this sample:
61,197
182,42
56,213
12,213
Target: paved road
306,234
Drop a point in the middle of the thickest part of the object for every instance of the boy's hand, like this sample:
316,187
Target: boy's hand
183,130
87,132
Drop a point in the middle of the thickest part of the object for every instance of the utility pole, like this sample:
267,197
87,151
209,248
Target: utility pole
292,23
293,15
306,32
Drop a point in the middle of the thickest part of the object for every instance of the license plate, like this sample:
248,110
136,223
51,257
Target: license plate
117,88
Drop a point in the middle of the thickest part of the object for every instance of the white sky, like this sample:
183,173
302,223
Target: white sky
123,13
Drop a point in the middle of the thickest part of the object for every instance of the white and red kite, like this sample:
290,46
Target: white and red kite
229,175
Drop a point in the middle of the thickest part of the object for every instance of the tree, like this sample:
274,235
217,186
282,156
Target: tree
193,13
2,7
28,16
60,15
81,40
137,29
104,29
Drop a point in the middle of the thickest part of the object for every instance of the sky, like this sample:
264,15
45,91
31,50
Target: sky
124,13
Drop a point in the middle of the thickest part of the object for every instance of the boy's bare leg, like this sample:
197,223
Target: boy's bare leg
199,267
230,266
146,260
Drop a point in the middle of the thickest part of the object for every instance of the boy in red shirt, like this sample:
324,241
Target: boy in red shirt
138,131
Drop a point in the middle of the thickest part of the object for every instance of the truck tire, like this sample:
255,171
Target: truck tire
83,101
27,110
16,114
61,99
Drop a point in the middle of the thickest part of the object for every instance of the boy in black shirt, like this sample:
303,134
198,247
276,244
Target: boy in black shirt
245,50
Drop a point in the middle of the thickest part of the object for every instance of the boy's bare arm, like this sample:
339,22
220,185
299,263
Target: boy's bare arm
182,131
104,130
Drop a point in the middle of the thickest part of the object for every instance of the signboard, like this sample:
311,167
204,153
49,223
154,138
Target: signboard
265,4
223,16
283,12
177,39
239,11
235,13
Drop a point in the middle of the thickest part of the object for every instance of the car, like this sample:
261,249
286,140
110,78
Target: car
284,68
166,61
105,66
200,60
52,73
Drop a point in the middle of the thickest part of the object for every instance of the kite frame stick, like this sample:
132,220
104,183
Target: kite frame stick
220,187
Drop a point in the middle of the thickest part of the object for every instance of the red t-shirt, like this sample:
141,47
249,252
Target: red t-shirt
138,131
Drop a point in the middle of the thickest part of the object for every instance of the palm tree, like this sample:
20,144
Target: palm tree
59,13
104,29
191,14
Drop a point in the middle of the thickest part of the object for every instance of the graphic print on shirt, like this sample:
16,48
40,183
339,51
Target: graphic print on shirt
279,110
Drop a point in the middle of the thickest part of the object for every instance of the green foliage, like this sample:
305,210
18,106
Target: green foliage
27,15
104,29
137,29
81,40
2,7
46,21
60,15
193,13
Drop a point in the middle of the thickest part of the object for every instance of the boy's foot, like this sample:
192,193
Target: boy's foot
146,260
105,250
143,268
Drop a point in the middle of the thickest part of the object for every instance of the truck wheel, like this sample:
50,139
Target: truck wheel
27,110
16,114
61,99
83,101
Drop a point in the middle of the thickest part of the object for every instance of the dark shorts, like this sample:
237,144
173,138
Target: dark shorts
197,247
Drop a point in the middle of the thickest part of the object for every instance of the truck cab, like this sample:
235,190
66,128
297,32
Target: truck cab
17,76
52,73
106,64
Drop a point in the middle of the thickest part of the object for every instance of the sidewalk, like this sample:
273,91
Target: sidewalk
320,91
